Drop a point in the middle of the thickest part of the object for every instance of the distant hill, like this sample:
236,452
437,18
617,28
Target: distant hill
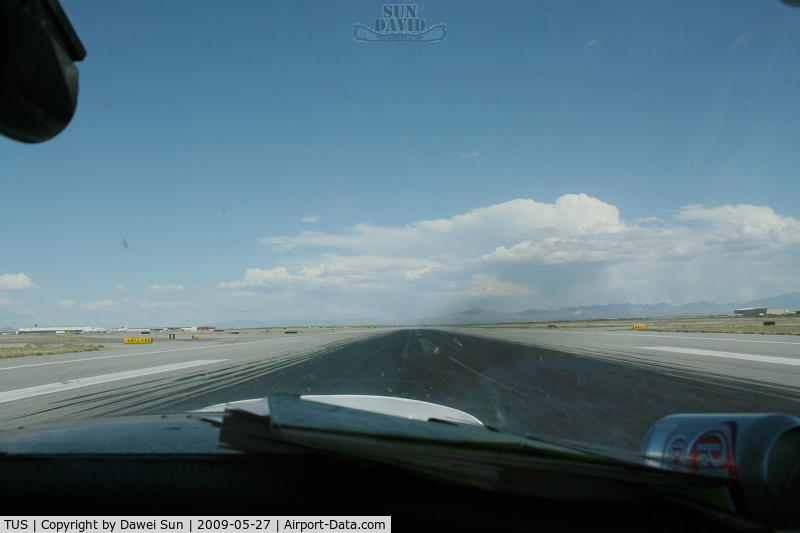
478,315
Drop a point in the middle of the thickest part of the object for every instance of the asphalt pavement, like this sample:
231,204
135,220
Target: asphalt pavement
605,387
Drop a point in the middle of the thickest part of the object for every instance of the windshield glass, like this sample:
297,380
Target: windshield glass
565,218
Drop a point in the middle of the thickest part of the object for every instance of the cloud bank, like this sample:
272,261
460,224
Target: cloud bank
575,251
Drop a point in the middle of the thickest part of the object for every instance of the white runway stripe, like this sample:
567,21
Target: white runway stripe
50,388
729,355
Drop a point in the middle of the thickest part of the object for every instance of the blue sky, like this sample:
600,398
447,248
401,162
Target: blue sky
252,161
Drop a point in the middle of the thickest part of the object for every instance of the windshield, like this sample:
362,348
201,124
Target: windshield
565,218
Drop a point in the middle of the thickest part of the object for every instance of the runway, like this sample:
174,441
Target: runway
601,387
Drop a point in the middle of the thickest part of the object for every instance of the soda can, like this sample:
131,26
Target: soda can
758,453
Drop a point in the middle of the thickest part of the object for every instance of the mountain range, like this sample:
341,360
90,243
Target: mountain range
478,315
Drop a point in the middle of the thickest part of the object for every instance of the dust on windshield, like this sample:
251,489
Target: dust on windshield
564,218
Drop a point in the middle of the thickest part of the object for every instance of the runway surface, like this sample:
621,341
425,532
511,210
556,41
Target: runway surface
599,386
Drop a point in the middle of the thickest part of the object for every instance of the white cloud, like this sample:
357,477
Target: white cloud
7,301
246,294
742,227
165,305
487,285
483,228
336,272
104,304
466,155
575,251
312,219
165,287
66,304
743,230
16,282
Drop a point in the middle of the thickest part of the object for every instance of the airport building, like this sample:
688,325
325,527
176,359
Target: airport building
759,311
54,330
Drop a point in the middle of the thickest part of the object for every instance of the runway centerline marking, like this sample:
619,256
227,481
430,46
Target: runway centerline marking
729,355
50,388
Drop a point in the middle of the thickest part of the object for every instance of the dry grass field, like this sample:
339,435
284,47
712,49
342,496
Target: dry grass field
784,324
16,350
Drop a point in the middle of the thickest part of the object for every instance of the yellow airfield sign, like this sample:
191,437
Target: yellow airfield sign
138,340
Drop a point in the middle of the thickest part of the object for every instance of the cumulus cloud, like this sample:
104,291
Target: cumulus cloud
7,301
104,304
744,230
66,304
574,251
312,219
483,228
165,287
16,282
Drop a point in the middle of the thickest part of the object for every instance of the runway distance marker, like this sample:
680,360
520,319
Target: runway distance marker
138,340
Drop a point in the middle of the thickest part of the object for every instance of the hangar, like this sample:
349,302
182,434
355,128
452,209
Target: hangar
758,311
54,330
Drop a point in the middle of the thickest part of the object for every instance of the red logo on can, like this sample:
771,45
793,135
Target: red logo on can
676,456
713,453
